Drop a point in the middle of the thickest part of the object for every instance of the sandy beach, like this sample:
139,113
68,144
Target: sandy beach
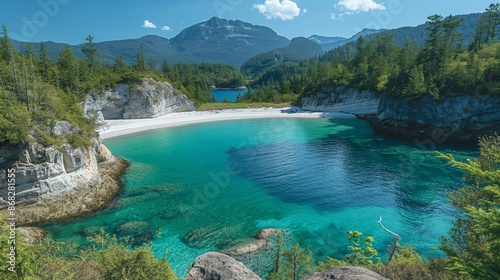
116,128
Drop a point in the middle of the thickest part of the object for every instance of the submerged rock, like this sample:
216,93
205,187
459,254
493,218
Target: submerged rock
260,242
217,266
345,273
133,228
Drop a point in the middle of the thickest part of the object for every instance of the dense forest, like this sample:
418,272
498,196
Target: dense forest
443,66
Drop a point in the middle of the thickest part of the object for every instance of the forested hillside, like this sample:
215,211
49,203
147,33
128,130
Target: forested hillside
37,91
443,66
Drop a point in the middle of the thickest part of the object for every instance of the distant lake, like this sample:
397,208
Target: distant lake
230,95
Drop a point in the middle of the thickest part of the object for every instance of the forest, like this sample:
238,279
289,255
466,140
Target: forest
442,67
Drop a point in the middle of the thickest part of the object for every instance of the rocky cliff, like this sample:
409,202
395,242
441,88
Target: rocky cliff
54,184
148,99
342,100
462,118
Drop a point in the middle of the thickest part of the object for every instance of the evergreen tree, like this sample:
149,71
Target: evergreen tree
140,64
90,51
473,245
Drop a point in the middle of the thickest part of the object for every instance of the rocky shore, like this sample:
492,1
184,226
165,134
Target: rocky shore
457,119
57,184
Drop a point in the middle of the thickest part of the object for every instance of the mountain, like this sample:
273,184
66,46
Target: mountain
226,41
418,33
329,43
216,40
299,49
323,40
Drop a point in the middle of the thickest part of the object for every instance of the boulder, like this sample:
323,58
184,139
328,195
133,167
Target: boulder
345,273
217,266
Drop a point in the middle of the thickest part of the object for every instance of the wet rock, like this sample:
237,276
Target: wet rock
260,242
133,228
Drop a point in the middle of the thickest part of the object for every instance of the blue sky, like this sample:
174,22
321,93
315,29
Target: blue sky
71,21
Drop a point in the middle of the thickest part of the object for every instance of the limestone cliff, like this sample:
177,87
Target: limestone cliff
53,184
148,99
462,118
342,100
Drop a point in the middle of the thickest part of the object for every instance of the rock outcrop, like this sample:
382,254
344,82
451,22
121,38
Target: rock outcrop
345,273
52,184
32,235
212,266
462,118
342,100
148,99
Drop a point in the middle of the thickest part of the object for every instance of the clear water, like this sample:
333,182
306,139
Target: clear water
211,186
229,95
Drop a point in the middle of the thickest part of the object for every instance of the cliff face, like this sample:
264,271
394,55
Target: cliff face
145,100
462,118
342,100
53,184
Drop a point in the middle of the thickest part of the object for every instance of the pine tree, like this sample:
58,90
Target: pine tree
91,52
473,245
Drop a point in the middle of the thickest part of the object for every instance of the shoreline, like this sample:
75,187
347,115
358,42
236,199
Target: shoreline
123,127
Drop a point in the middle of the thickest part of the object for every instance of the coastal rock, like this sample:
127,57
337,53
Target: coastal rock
55,183
345,273
148,99
462,118
342,100
217,266
32,235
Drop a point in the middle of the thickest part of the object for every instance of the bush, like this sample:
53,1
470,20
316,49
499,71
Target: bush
106,258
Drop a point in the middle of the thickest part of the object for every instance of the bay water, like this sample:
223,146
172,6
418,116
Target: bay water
212,186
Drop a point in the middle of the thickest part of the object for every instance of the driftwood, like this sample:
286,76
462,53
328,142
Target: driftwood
394,245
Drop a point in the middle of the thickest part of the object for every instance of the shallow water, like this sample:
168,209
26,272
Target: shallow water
214,185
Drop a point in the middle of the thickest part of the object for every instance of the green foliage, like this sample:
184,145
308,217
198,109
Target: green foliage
14,120
363,254
106,258
294,263
473,245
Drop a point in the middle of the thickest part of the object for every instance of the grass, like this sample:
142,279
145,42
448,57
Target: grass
238,105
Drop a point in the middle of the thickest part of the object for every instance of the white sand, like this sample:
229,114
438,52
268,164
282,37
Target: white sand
118,128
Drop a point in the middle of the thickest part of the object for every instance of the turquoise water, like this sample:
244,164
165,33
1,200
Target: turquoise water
214,185
230,95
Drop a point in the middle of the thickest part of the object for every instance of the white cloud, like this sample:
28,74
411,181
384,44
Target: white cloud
304,11
148,24
165,28
278,9
359,5
351,7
